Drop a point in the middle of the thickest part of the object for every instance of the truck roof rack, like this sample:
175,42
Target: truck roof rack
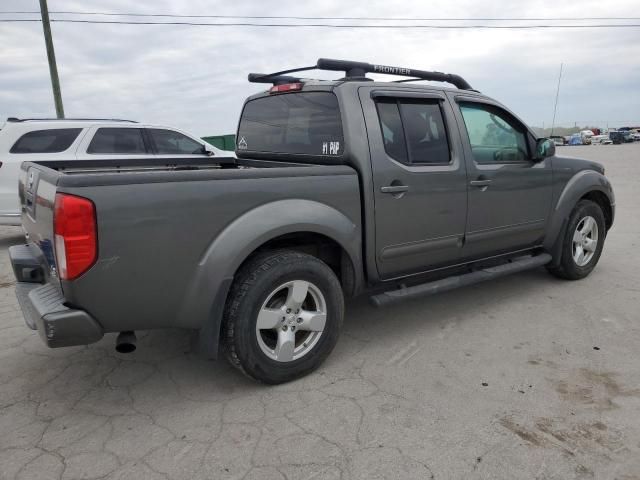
272,78
14,119
357,71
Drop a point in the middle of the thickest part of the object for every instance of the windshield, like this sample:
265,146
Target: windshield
306,123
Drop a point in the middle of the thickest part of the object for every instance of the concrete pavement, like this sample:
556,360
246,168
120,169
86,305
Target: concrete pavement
520,378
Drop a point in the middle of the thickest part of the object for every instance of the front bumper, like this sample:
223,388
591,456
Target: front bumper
43,306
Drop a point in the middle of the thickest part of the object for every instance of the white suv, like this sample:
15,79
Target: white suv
41,139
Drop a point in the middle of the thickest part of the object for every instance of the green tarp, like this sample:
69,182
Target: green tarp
223,142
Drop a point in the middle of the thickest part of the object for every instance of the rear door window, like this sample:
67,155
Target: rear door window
426,135
305,123
54,140
414,131
111,141
170,142
395,142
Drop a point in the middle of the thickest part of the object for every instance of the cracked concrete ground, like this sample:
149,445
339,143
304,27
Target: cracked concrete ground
524,377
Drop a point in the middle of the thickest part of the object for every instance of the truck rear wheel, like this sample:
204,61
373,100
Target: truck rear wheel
582,243
283,316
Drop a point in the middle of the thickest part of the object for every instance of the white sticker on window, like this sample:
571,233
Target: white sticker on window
242,144
330,148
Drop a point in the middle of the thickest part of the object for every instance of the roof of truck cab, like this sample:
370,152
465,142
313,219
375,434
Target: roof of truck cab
330,85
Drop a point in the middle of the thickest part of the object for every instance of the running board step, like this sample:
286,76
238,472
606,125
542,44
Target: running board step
450,283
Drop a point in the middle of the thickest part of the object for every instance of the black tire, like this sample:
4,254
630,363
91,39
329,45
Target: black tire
255,281
567,268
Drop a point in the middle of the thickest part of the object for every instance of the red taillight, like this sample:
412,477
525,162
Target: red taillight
285,87
76,239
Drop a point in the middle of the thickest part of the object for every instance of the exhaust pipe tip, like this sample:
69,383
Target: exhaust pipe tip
126,342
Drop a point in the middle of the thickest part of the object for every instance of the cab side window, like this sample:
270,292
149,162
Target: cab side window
395,143
414,131
495,136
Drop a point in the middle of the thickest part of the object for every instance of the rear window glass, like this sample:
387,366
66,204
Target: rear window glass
117,141
306,123
46,141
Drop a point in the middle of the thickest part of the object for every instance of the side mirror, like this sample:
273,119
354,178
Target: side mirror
545,147
207,150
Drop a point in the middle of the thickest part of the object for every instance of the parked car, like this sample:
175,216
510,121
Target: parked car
558,140
340,188
70,139
601,140
619,137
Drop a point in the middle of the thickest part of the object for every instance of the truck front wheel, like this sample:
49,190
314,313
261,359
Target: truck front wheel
582,243
283,316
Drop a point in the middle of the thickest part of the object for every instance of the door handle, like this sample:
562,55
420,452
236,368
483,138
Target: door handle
480,183
395,189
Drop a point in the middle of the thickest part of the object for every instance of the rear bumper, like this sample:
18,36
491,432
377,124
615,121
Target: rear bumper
43,307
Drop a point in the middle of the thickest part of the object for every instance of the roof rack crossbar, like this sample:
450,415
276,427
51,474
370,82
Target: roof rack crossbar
269,77
358,71
359,68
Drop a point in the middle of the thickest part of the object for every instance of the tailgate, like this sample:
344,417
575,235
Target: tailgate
38,286
37,191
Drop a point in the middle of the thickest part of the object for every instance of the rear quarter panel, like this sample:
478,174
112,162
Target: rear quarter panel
166,248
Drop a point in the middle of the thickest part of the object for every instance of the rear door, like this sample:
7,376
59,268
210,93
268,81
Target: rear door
509,191
112,142
420,183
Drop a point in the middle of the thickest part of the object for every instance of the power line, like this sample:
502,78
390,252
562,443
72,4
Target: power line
287,17
327,25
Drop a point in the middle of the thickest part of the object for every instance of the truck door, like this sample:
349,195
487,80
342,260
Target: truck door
419,180
509,191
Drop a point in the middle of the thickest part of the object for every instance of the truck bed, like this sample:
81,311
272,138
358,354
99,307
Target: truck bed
166,232
122,171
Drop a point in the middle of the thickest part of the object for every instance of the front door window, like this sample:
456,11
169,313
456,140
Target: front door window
494,137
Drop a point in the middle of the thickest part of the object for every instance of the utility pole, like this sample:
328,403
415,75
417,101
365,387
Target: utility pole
555,106
51,56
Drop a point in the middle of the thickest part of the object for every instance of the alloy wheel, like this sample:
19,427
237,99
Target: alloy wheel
291,321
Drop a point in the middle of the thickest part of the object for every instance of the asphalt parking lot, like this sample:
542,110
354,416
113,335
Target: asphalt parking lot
523,377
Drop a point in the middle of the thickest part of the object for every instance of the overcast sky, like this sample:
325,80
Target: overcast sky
195,77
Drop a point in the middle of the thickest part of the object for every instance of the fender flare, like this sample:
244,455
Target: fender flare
206,295
577,187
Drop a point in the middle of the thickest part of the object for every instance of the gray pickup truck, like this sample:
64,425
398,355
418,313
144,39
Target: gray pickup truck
339,188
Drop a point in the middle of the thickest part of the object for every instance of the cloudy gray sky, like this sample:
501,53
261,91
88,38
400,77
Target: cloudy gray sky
195,77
